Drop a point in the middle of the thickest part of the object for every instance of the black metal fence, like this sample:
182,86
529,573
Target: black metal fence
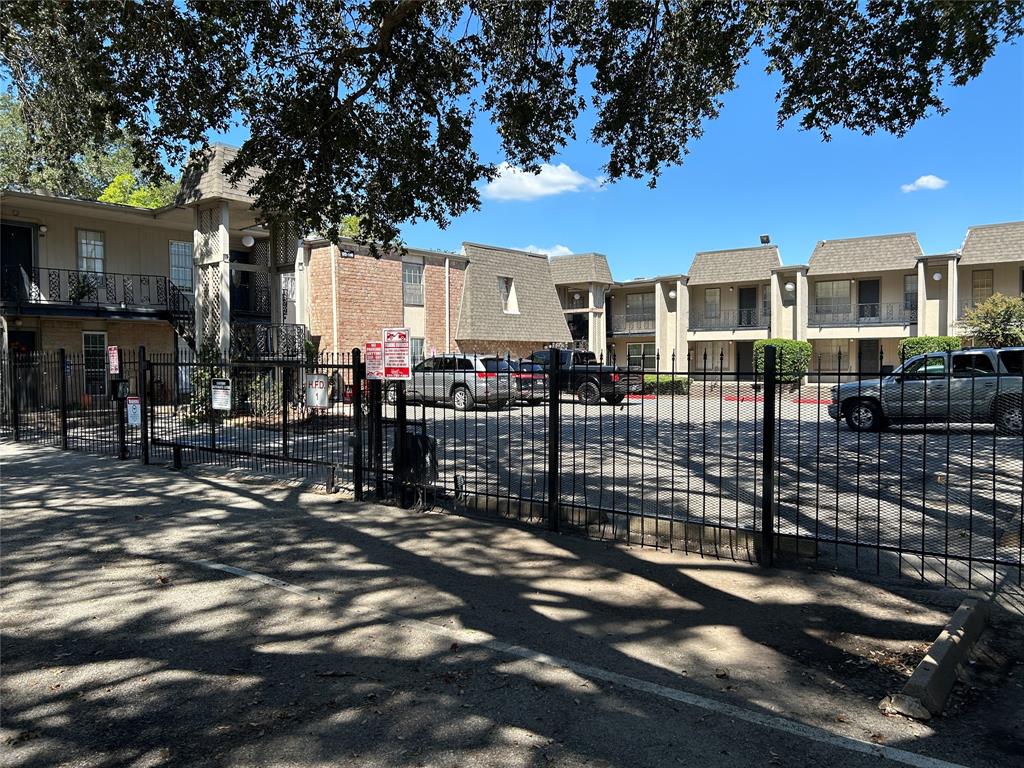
917,473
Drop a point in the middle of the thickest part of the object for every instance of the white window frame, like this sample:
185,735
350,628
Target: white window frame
86,248
95,375
910,281
412,289
975,288
828,302
178,271
647,355
709,313
416,349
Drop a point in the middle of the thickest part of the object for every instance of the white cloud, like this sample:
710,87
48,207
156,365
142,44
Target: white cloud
925,182
513,183
555,250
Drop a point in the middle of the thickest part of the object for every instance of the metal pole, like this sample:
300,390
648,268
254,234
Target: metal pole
401,461
285,384
377,436
358,376
62,361
122,427
554,435
143,410
767,554
15,416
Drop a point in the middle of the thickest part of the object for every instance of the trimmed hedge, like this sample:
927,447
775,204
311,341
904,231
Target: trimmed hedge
918,345
794,357
665,384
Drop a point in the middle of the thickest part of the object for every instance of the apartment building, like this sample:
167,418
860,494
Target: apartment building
582,282
991,261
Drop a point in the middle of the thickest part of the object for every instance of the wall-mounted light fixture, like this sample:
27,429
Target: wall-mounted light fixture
576,296
43,230
248,241
936,276
790,287
672,293
731,289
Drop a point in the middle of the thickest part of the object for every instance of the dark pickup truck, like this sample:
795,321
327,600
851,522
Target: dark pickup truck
581,375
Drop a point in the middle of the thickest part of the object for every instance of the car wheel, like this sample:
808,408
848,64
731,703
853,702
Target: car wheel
391,394
462,399
1010,418
864,416
588,393
614,399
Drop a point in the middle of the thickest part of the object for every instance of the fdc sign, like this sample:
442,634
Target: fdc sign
317,390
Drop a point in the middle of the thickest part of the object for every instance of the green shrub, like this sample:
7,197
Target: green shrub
996,322
665,384
263,395
793,358
201,376
919,345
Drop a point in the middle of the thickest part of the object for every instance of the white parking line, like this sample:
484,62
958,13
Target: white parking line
475,637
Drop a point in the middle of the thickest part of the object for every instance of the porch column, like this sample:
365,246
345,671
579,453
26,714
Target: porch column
224,241
301,285
682,326
775,329
801,303
952,314
922,298
596,332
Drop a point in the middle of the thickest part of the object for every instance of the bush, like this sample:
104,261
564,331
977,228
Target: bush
665,384
996,322
793,357
263,395
919,345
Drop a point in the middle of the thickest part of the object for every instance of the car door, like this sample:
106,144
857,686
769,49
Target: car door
972,386
422,383
914,391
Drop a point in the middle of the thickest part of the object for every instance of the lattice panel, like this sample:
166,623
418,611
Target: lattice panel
209,234
208,304
260,253
284,243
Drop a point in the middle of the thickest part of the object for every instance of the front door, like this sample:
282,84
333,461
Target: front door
748,308
745,359
867,356
867,300
16,259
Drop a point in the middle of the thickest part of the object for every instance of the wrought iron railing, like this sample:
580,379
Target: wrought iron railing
896,313
633,322
75,287
730,319
268,340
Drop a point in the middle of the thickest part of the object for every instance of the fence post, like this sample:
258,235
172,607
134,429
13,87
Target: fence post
357,422
554,437
62,388
400,467
377,435
15,416
767,554
143,406
122,404
286,381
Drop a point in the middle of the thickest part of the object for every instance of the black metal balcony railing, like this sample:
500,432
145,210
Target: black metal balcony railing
252,300
896,313
632,322
730,319
80,288
268,340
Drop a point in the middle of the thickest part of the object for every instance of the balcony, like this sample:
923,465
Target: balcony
631,322
730,319
268,340
82,292
895,313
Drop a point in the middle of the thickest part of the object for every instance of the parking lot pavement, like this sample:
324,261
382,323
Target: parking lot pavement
159,618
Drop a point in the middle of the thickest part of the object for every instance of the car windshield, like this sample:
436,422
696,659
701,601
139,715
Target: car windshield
496,365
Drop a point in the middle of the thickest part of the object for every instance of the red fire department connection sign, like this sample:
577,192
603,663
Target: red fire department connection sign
397,354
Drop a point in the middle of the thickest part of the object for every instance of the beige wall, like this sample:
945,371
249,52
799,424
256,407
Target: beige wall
1006,279
52,334
730,298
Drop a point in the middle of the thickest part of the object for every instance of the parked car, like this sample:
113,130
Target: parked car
531,382
588,380
465,381
980,386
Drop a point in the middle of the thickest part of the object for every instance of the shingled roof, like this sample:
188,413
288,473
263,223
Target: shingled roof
734,265
877,253
994,242
481,316
580,268
204,177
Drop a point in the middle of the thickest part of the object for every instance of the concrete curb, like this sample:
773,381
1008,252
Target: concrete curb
926,691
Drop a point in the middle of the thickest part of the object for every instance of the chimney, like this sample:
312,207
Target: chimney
765,239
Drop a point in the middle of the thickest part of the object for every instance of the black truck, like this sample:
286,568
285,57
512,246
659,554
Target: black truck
580,374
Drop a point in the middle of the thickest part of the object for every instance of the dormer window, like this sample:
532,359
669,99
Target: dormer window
509,302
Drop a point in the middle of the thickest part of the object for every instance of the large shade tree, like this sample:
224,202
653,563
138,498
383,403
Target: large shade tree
367,109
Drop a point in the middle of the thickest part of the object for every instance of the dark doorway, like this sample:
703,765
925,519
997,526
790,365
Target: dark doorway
867,299
868,351
17,243
579,326
748,306
745,359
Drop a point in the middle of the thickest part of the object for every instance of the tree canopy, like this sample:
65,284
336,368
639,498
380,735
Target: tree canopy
368,109
126,189
996,322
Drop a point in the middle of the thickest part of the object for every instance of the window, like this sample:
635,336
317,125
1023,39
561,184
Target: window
640,305
910,292
181,265
830,355
412,284
509,301
712,303
969,365
933,365
91,249
832,297
94,349
416,350
981,285
1013,361
710,356
641,356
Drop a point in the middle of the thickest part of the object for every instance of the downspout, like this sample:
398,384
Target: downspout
334,301
447,307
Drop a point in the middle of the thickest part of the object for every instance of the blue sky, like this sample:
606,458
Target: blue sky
745,177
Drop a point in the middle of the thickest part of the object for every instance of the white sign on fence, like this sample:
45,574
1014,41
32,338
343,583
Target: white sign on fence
397,354
114,360
220,394
134,405
373,356
317,388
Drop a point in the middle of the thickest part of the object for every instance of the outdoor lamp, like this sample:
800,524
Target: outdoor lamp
936,276
790,287
672,293
42,230
248,241
576,296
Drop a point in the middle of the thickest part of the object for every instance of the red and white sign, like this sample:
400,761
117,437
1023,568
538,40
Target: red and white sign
397,354
114,360
373,356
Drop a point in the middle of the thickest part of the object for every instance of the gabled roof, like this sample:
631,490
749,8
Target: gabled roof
204,177
877,253
994,242
481,316
580,268
734,265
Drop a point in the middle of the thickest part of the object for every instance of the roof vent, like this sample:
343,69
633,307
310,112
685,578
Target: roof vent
765,239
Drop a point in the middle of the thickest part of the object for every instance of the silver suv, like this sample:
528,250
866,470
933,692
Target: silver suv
462,380
980,386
